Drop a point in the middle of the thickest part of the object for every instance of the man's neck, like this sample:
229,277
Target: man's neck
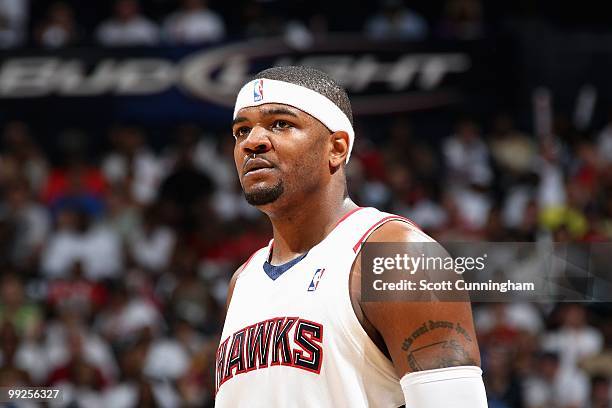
298,229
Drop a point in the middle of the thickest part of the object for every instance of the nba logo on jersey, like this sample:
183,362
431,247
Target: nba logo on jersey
315,280
258,90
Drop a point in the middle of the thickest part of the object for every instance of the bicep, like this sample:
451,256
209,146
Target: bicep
422,334
425,335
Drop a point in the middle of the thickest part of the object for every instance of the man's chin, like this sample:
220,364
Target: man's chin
264,195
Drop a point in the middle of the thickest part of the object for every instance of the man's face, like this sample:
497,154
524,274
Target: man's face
280,152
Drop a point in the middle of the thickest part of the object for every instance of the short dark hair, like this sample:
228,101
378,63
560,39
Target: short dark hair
313,79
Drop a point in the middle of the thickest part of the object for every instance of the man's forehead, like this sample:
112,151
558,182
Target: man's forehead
273,109
270,109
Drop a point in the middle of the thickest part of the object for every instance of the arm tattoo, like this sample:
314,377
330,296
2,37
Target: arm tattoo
447,353
443,354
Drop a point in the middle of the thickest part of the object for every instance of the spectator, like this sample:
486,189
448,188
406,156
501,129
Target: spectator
24,317
189,337
526,228
13,22
77,291
32,224
80,375
76,183
211,154
604,141
10,374
129,316
462,20
191,299
69,339
194,23
77,239
507,320
501,382
122,215
59,29
132,163
77,370
259,21
426,212
552,387
183,191
134,388
466,158
32,355
21,158
151,245
127,27
395,21
574,340
551,189
166,359
197,385
511,149
298,35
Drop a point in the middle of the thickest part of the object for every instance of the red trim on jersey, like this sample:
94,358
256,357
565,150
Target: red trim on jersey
249,260
378,224
348,214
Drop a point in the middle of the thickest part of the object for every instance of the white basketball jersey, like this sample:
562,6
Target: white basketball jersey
295,341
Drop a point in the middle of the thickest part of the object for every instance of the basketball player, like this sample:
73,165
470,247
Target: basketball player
297,333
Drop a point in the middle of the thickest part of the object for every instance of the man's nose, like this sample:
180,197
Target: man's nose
257,141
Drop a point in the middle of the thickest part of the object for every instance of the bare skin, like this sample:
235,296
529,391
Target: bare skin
296,150
449,339
306,157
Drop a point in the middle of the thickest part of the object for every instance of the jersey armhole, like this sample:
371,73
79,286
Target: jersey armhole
356,250
377,225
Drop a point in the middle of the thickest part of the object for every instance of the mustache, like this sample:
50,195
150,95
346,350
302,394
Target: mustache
258,157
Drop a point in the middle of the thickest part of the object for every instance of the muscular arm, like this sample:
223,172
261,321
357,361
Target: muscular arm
421,335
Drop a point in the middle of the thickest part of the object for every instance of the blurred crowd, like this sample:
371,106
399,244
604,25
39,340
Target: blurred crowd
54,24
115,262
115,266
115,256
121,23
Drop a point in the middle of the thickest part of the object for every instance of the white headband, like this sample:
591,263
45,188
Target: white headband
260,91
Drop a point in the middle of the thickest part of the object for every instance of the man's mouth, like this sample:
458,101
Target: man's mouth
255,165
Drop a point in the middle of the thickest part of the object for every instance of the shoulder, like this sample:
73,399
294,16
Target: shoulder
398,230
232,284
237,274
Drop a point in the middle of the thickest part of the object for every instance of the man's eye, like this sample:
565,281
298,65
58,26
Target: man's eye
242,132
281,124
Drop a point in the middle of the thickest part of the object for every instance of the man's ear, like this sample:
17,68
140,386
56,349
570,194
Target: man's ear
338,148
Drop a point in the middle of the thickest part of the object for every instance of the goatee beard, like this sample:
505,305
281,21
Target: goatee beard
264,196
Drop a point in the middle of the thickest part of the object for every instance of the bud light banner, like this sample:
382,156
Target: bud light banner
200,84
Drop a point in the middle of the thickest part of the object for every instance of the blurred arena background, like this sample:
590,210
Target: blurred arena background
122,220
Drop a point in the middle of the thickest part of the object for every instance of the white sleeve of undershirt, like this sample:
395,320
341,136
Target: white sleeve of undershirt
452,387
